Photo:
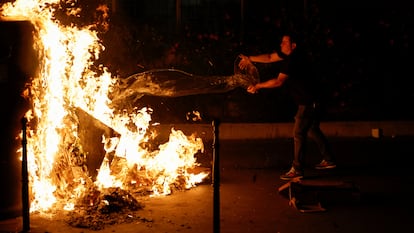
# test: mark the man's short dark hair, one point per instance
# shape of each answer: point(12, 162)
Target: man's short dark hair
point(294, 37)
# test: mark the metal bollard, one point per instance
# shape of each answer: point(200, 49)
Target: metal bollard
point(216, 178)
point(25, 180)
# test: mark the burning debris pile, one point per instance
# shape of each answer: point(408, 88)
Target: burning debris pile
point(66, 158)
point(108, 207)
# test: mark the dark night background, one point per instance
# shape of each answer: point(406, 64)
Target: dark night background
point(359, 50)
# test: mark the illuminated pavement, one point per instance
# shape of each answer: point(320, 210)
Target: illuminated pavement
point(250, 202)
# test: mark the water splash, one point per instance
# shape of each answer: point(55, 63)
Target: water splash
point(176, 83)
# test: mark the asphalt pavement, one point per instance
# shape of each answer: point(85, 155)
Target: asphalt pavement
point(248, 199)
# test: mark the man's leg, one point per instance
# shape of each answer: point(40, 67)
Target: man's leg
point(328, 160)
point(322, 142)
point(300, 132)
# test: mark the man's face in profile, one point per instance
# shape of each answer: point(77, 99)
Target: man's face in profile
point(286, 46)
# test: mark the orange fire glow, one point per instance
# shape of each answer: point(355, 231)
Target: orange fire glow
point(67, 79)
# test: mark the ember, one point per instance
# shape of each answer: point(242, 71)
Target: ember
point(107, 207)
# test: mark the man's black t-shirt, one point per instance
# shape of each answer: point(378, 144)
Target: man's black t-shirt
point(300, 82)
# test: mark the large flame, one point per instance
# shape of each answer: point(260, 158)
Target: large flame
point(68, 79)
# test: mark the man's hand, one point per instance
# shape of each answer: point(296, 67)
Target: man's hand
point(244, 62)
point(252, 89)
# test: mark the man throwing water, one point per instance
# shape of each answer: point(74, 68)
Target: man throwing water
point(294, 75)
